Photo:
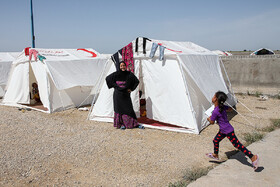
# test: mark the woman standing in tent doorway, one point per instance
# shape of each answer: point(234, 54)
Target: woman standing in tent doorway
point(226, 130)
point(123, 82)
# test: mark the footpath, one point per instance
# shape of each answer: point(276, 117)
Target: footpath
point(238, 170)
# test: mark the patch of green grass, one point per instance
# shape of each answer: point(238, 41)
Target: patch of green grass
point(191, 175)
point(258, 94)
point(253, 137)
point(178, 184)
point(275, 125)
point(268, 129)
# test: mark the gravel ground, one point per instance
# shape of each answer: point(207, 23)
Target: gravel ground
point(64, 149)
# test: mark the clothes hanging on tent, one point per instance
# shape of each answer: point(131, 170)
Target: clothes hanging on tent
point(115, 58)
point(161, 51)
point(34, 53)
point(144, 44)
point(41, 58)
point(127, 57)
point(26, 51)
point(124, 114)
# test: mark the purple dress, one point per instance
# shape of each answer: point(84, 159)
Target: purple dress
point(222, 120)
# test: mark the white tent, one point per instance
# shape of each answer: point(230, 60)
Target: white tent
point(222, 53)
point(178, 90)
point(263, 51)
point(65, 78)
point(6, 59)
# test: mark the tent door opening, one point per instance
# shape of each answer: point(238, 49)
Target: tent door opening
point(34, 95)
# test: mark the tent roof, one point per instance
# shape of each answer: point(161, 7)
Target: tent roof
point(8, 56)
point(60, 55)
point(177, 47)
point(69, 67)
point(263, 51)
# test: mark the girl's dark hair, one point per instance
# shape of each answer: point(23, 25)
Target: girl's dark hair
point(221, 97)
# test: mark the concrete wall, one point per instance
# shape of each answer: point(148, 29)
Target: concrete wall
point(254, 74)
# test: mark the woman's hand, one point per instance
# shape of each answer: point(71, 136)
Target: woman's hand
point(129, 90)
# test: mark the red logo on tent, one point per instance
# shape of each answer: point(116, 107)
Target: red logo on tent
point(93, 54)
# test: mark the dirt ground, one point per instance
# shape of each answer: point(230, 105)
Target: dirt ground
point(65, 149)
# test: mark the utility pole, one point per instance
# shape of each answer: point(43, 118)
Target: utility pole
point(32, 26)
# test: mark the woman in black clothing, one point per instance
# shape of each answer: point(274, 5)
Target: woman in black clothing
point(123, 82)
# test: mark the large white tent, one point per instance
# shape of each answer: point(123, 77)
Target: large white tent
point(65, 78)
point(178, 90)
point(6, 59)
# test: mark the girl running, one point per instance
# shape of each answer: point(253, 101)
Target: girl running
point(226, 130)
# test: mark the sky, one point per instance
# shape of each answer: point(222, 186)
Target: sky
point(108, 25)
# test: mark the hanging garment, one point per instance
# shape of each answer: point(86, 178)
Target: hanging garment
point(161, 51)
point(153, 50)
point(34, 53)
point(116, 59)
point(41, 58)
point(127, 57)
point(26, 51)
point(144, 44)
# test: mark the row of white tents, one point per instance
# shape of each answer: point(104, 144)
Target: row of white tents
point(177, 90)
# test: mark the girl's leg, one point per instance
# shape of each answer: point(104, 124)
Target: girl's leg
point(236, 143)
point(219, 137)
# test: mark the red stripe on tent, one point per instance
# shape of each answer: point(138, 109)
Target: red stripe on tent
point(170, 49)
point(93, 54)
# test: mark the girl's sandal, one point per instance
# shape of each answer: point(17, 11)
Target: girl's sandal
point(256, 163)
point(210, 155)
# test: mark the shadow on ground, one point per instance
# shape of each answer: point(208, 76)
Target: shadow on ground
point(235, 154)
